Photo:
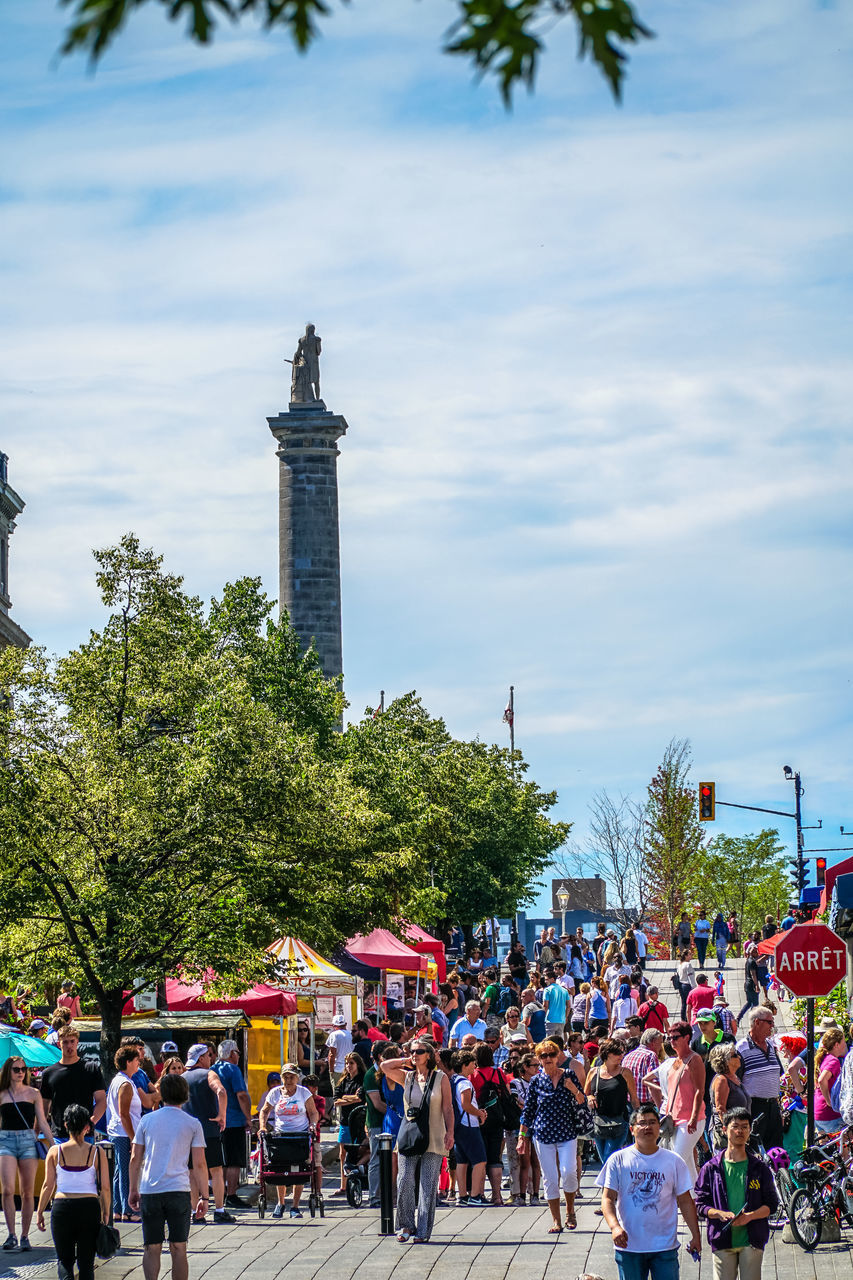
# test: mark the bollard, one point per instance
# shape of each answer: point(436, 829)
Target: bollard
point(386, 1190)
point(111, 1164)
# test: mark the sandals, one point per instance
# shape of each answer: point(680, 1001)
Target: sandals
point(555, 1231)
point(403, 1237)
point(571, 1222)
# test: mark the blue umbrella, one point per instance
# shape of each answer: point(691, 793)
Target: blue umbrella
point(35, 1053)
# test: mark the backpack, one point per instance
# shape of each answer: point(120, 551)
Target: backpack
point(835, 1094)
point(506, 999)
point(501, 1108)
point(644, 1017)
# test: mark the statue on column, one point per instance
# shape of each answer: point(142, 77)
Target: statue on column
point(305, 380)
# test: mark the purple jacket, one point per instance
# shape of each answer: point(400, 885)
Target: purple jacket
point(711, 1193)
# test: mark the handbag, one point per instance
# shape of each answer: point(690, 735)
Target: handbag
point(108, 1240)
point(413, 1136)
point(606, 1127)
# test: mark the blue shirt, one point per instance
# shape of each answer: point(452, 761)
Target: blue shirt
point(558, 1002)
point(233, 1083)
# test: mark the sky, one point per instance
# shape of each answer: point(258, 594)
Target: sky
point(595, 362)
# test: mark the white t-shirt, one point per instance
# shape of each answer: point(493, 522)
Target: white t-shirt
point(642, 943)
point(663, 1080)
point(647, 1187)
point(341, 1041)
point(288, 1109)
point(463, 1086)
point(167, 1137)
point(613, 978)
point(623, 1009)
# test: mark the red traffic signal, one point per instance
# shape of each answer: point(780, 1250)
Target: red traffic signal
point(707, 802)
point(820, 872)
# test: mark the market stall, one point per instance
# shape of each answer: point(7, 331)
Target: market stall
point(320, 986)
point(381, 950)
point(426, 945)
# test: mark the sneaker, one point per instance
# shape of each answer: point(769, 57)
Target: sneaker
point(461, 1202)
point(518, 1201)
point(234, 1202)
point(535, 1202)
point(25, 1246)
point(296, 1213)
point(278, 1211)
point(222, 1215)
point(475, 1202)
point(11, 1243)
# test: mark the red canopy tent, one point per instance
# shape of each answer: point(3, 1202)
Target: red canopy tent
point(768, 946)
point(261, 1001)
point(426, 944)
point(383, 951)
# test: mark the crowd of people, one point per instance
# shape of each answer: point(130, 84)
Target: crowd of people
point(496, 1089)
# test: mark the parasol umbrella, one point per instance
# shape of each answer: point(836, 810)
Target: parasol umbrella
point(35, 1053)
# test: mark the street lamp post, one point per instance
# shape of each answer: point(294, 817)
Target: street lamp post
point(563, 903)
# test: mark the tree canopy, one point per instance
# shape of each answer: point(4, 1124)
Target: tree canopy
point(746, 874)
point(502, 38)
point(174, 794)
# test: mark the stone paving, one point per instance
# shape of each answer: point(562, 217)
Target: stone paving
point(467, 1244)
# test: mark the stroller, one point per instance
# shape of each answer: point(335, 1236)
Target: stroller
point(287, 1160)
point(356, 1157)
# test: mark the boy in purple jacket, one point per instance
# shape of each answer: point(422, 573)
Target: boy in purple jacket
point(735, 1193)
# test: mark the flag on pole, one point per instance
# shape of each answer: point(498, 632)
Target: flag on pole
point(509, 714)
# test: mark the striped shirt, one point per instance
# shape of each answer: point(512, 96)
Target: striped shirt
point(640, 1062)
point(762, 1070)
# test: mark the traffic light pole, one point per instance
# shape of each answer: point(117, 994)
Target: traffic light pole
point(810, 1071)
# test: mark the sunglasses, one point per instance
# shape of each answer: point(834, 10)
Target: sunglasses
point(21, 1069)
point(416, 1052)
point(544, 1056)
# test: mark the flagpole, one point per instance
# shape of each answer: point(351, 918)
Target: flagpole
point(512, 718)
point(382, 700)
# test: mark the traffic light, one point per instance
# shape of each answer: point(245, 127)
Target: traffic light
point(820, 872)
point(707, 802)
point(799, 873)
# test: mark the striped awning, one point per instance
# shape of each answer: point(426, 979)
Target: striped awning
point(300, 969)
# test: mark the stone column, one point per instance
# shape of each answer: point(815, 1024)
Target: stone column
point(309, 545)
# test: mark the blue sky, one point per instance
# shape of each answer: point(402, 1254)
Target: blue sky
point(595, 362)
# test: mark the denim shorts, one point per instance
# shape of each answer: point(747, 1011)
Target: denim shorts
point(20, 1143)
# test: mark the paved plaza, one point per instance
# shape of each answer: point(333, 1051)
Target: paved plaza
point(468, 1244)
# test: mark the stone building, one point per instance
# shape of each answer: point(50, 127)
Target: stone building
point(11, 506)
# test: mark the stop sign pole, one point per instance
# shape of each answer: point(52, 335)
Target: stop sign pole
point(811, 960)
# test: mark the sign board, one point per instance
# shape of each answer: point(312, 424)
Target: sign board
point(811, 960)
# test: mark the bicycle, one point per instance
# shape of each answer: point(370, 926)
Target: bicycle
point(826, 1190)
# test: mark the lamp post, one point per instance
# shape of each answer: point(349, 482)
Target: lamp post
point(563, 903)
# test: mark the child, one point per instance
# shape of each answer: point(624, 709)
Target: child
point(719, 983)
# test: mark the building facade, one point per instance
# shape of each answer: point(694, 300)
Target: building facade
point(11, 506)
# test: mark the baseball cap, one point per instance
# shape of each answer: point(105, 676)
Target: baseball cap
point(196, 1051)
point(518, 1038)
point(290, 1069)
point(37, 1025)
point(339, 1020)
point(706, 1015)
point(168, 1046)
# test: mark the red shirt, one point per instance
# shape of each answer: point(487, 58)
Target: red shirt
point(654, 1017)
point(375, 1034)
point(699, 998)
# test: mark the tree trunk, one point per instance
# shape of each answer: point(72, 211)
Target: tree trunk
point(110, 1006)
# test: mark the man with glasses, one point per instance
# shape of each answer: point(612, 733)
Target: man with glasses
point(643, 1190)
point(761, 1074)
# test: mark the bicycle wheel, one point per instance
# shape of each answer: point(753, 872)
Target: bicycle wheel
point(806, 1220)
point(786, 1187)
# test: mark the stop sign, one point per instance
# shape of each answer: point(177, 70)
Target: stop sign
point(811, 960)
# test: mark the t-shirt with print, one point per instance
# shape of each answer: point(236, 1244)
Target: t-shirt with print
point(558, 1003)
point(647, 1189)
point(288, 1109)
point(167, 1138)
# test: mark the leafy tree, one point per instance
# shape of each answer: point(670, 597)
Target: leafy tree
point(504, 38)
point(673, 842)
point(165, 806)
point(479, 828)
point(742, 873)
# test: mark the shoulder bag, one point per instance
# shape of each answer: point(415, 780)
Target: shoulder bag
point(413, 1136)
point(605, 1128)
point(108, 1240)
point(41, 1149)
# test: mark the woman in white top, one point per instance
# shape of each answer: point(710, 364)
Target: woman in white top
point(289, 1108)
point(686, 979)
point(76, 1178)
point(124, 1111)
point(624, 1006)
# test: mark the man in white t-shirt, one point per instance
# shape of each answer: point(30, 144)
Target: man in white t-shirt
point(339, 1044)
point(160, 1176)
point(643, 1189)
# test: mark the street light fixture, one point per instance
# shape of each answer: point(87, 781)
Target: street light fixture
point(563, 897)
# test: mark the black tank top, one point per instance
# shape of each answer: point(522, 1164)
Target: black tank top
point(13, 1118)
point(611, 1097)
